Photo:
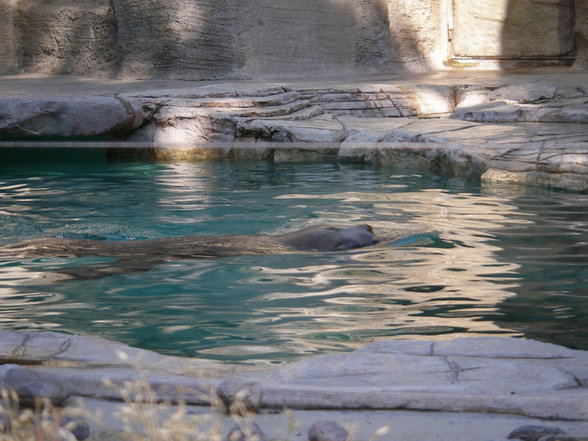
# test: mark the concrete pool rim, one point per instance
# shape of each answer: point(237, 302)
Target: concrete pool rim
point(493, 377)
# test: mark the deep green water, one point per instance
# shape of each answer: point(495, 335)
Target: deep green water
point(474, 260)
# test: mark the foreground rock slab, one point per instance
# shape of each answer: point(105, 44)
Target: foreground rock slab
point(488, 375)
point(464, 389)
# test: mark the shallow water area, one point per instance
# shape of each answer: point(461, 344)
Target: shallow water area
point(468, 259)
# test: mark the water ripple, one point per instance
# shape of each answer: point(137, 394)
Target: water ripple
point(463, 259)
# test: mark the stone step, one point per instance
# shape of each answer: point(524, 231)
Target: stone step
point(337, 96)
point(367, 104)
point(302, 114)
point(281, 105)
point(249, 101)
point(368, 110)
point(204, 92)
point(269, 111)
point(550, 111)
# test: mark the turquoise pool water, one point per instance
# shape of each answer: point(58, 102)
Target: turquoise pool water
point(473, 259)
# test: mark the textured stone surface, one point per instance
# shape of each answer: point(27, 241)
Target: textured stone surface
point(77, 425)
point(327, 431)
point(519, 128)
point(472, 389)
point(555, 166)
point(246, 432)
point(70, 116)
point(510, 376)
point(31, 387)
point(581, 34)
point(175, 38)
point(537, 101)
point(10, 55)
point(4, 421)
point(59, 36)
point(206, 39)
point(370, 424)
point(513, 28)
point(30, 348)
point(534, 433)
point(210, 39)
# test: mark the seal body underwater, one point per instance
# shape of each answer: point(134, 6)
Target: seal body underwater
point(143, 255)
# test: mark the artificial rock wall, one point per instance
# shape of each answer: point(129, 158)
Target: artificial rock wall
point(196, 39)
point(581, 29)
point(221, 39)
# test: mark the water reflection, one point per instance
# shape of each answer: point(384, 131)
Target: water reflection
point(551, 305)
point(466, 260)
point(447, 281)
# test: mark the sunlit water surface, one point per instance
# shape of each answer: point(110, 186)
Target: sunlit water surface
point(471, 259)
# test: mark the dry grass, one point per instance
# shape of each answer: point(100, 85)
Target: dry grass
point(43, 423)
point(147, 416)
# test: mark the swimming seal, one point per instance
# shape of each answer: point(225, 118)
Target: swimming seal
point(330, 238)
point(143, 255)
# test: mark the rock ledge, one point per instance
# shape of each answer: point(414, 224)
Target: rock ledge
point(526, 128)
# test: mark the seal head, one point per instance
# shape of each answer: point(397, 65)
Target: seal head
point(330, 238)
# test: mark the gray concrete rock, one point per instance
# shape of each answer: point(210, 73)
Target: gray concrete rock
point(557, 438)
point(209, 39)
point(458, 383)
point(4, 420)
point(247, 432)
point(457, 379)
point(374, 121)
point(359, 145)
point(230, 38)
point(473, 374)
point(77, 425)
point(30, 387)
point(69, 116)
point(61, 434)
point(563, 166)
point(534, 433)
point(60, 37)
point(36, 346)
point(469, 370)
point(212, 39)
point(561, 110)
point(239, 396)
point(324, 430)
point(536, 101)
point(518, 30)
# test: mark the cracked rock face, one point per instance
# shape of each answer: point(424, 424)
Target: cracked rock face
point(498, 375)
point(470, 366)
